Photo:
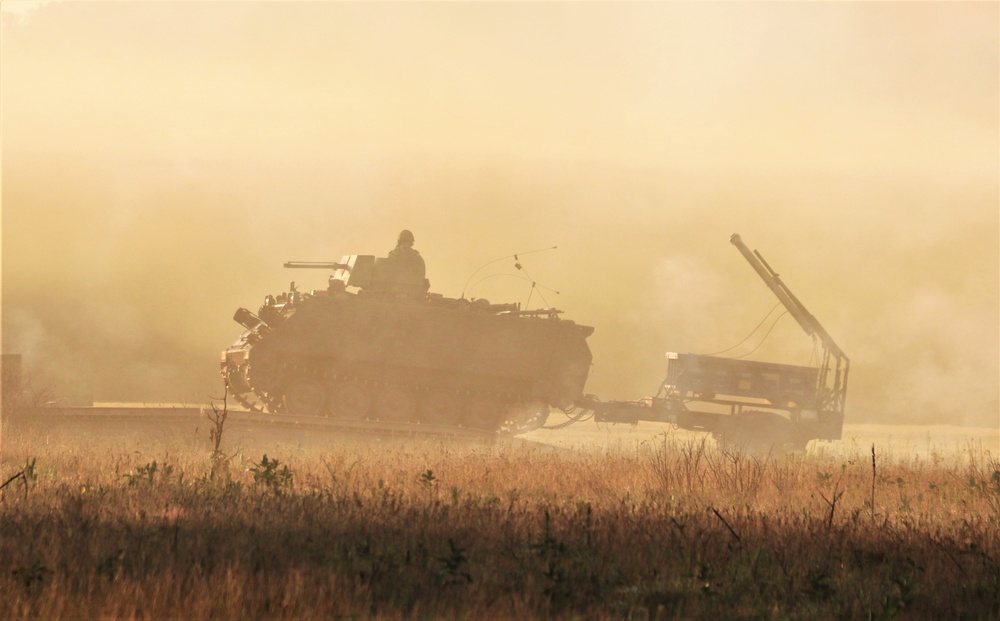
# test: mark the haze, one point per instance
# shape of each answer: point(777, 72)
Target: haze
point(161, 160)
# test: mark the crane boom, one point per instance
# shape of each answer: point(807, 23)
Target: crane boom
point(832, 387)
point(769, 404)
point(795, 308)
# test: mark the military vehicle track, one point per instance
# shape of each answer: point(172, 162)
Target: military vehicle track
point(197, 416)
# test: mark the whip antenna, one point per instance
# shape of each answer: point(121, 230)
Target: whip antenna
point(510, 256)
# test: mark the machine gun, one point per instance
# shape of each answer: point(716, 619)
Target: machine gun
point(317, 265)
point(375, 274)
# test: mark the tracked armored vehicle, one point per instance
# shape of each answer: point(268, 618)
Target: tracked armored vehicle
point(375, 345)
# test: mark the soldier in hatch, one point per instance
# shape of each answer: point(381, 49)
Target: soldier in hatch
point(405, 255)
point(407, 264)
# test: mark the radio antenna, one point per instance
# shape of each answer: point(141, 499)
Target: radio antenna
point(534, 284)
point(510, 256)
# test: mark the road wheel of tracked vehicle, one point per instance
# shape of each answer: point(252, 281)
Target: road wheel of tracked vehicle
point(350, 400)
point(441, 407)
point(484, 413)
point(305, 397)
point(396, 404)
point(525, 417)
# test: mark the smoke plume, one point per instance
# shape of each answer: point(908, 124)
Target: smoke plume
point(162, 160)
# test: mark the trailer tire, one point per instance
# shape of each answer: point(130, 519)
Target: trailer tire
point(760, 433)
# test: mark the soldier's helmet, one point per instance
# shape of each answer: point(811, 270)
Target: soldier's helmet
point(405, 237)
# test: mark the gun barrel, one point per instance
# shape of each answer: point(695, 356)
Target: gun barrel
point(317, 265)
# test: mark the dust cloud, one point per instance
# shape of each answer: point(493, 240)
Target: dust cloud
point(162, 160)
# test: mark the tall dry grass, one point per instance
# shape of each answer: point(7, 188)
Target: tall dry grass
point(391, 529)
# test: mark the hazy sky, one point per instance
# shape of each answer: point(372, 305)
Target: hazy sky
point(161, 160)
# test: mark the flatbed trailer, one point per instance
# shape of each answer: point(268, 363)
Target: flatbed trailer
point(750, 403)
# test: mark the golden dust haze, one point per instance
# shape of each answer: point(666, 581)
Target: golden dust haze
point(161, 160)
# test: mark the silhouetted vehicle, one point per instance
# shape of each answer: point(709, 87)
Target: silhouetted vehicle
point(375, 345)
point(754, 405)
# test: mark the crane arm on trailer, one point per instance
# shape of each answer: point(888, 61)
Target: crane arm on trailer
point(786, 297)
point(752, 403)
point(832, 379)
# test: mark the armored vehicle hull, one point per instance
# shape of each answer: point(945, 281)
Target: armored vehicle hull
point(379, 355)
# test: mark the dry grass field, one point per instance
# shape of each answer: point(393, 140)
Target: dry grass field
point(129, 527)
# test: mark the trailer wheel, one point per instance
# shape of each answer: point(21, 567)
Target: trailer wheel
point(760, 432)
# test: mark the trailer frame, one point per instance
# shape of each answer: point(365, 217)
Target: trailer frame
point(751, 403)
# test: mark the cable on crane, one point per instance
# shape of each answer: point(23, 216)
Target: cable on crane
point(765, 336)
point(751, 332)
